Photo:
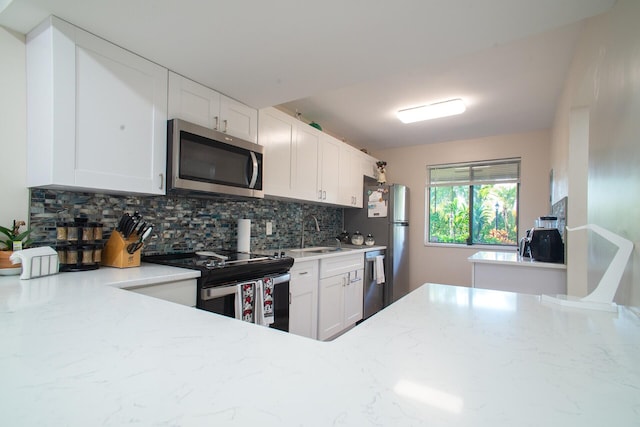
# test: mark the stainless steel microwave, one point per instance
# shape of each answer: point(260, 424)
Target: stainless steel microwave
point(205, 161)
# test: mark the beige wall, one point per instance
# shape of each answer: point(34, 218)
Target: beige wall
point(14, 196)
point(604, 78)
point(408, 166)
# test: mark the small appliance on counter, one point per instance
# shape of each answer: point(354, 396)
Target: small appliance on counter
point(544, 241)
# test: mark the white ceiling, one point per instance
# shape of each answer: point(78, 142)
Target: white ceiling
point(350, 64)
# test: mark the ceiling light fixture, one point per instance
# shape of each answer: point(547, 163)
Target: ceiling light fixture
point(432, 111)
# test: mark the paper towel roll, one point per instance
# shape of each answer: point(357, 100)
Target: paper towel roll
point(244, 235)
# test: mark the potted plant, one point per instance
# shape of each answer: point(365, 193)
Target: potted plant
point(14, 236)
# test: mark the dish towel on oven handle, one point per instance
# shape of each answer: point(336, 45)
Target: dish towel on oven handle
point(379, 270)
point(246, 301)
point(265, 305)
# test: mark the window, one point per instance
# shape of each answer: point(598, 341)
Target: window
point(473, 203)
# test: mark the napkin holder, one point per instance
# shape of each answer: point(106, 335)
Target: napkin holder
point(115, 251)
point(36, 262)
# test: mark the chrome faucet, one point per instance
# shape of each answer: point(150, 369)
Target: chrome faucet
point(317, 228)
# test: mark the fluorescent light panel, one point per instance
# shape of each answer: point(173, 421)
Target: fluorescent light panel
point(432, 111)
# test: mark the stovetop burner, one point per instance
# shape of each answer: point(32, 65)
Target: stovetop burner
point(221, 266)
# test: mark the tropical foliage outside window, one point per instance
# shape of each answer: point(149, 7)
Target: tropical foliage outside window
point(473, 203)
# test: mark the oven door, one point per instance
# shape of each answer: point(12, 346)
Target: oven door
point(236, 300)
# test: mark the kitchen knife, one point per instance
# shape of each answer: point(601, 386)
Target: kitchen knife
point(133, 247)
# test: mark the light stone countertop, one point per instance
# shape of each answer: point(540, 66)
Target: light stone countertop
point(302, 255)
point(512, 258)
point(76, 352)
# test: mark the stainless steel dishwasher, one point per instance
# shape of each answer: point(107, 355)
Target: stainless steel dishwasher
point(374, 292)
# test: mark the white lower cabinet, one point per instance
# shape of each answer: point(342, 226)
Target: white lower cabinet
point(339, 294)
point(181, 292)
point(303, 309)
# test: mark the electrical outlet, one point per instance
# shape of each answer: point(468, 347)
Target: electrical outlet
point(269, 228)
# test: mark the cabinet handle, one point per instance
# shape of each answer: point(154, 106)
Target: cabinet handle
point(226, 125)
point(302, 273)
point(161, 181)
point(217, 119)
point(324, 195)
point(319, 194)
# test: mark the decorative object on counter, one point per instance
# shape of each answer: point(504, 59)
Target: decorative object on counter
point(369, 240)
point(602, 296)
point(36, 262)
point(344, 237)
point(79, 244)
point(15, 241)
point(382, 177)
point(357, 238)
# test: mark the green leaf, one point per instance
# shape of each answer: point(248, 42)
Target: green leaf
point(7, 232)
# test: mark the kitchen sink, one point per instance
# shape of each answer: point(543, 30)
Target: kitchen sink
point(319, 250)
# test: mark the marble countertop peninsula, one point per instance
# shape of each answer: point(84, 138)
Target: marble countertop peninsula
point(75, 350)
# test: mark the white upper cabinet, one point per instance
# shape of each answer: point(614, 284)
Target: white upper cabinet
point(303, 163)
point(351, 178)
point(195, 103)
point(96, 114)
point(328, 169)
point(276, 134)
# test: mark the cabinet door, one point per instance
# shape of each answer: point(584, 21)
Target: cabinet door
point(351, 180)
point(329, 169)
point(368, 165)
point(238, 119)
point(120, 118)
point(303, 310)
point(305, 163)
point(331, 306)
point(353, 301)
point(193, 102)
point(276, 135)
point(96, 113)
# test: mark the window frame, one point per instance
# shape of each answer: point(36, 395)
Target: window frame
point(470, 185)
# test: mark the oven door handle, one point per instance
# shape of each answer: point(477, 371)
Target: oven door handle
point(281, 279)
point(222, 291)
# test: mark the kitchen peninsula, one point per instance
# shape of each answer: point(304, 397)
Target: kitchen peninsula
point(76, 351)
point(508, 271)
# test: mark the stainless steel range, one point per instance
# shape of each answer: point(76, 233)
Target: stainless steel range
point(249, 287)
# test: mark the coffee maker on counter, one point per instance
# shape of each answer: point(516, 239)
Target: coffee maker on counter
point(543, 243)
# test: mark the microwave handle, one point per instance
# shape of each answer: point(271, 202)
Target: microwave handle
point(254, 174)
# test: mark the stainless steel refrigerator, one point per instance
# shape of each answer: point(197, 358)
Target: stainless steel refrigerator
point(385, 215)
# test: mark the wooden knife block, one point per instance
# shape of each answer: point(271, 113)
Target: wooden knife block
point(115, 251)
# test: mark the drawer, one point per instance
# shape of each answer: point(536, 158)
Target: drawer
point(333, 266)
point(304, 268)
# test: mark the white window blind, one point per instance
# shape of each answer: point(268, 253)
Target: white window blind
point(494, 172)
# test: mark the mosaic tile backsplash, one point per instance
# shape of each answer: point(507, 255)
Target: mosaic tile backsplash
point(183, 224)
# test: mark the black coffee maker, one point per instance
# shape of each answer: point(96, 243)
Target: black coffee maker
point(545, 241)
